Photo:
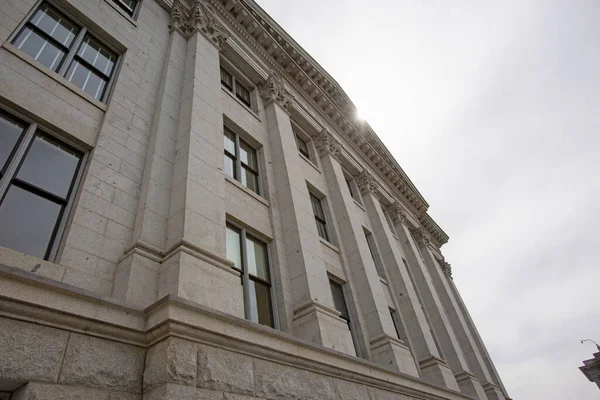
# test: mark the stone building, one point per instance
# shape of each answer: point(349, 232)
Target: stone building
point(190, 210)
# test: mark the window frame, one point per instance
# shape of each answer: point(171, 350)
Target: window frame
point(352, 187)
point(234, 84)
point(315, 200)
point(14, 162)
point(342, 285)
point(239, 165)
point(394, 316)
point(72, 50)
point(246, 277)
point(388, 219)
point(122, 6)
point(374, 251)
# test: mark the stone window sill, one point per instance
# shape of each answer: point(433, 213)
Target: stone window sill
point(247, 191)
point(123, 13)
point(330, 245)
point(53, 75)
point(383, 280)
point(312, 164)
point(251, 111)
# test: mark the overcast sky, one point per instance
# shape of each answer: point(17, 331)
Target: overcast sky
point(493, 110)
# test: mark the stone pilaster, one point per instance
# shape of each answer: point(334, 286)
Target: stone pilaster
point(314, 317)
point(443, 330)
point(433, 367)
point(385, 348)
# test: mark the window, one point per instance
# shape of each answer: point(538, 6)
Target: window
point(241, 162)
point(250, 258)
point(394, 316)
point(302, 146)
point(319, 217)
point(129, 6)
point(339, 303)
point(374, 253)
point(388, 219)
point(37, 180)
point(68, 49)
point(232, 84)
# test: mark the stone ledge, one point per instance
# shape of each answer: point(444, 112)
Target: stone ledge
point(57, 305)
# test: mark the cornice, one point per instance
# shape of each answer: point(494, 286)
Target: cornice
point(438, 235)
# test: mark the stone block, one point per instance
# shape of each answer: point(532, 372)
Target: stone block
point(177, 392)
point(30, 352)
point(221, 369)
point(42, 391)
point(102, 364)
point(346, 390)
point(171, 361)
point(378, 394)
point(276, 381)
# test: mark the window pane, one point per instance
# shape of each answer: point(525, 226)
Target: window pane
point(257, 259)
point(230, 142)
point(338, 299)
point(88, 80)
point(396, 328)
point(229, 166)
point(226, 79)
point(322, 229)
point(27, 222)
point(248, 155)
point(350, 188)
point(10, 132)
point(250, 179)
point(49, 167)
point(242, 93)
point(317, 207)
point(234, 250)
point(56, 25)
point(374, 253)
point(302, 147)
point(97, 55)
point(39, 48)
point(127, 5)
point(260, 303)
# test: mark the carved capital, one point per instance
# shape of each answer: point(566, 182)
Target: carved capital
point(446, 268)
point(367, 183)
point(202, 19)
point(397, 213)
point(327, 144)
point(178, 21)
point(274, 90)
point(422, 237)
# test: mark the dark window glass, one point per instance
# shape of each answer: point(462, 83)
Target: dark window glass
point(241, 158)
point(388, 219)
point(230, 142)
point(10, 132)
point(242, 93)
point(319, 217)
point(226, 79)
point(248, 156)
point(27, 221)
point(350, 189)
point(339, 301)
point(302, 147)
point(394, 315)
point(47, 36)
point(92, 67)
point(97, 56)
point(374, 253)
point(128, 6)
point(260, 303)
point(49, 166)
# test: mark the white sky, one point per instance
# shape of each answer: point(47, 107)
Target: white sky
point(492, 108)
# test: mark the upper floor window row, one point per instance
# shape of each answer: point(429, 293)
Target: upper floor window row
point(232, 84)
point(67, 48)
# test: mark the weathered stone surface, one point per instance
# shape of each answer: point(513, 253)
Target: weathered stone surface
point(276, 381)
point(378, 394)
point(43, 391)
point(125, 396)
point(233, 396)
point(346, 390)
point(30, 352)
point(102, 364)
point(225, 370)
point(178, 392)
point(171, 361)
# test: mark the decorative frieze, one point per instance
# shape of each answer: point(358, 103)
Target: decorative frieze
point(327, 144)
point(367, 183)
point(201, 19)
point(273, 90)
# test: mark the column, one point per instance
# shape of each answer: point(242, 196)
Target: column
point(314, 317)
point(467, 342)
point(136, 279)
point(480, 344)
point(442, 327)
point(433, 368)
point(385, 348)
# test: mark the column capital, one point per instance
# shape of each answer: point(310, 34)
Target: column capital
point(422, 237)
point(446, 269)
point(327, 144)
point(397, 213)
point(273, 90)
point(201, 19)
point(367, 183)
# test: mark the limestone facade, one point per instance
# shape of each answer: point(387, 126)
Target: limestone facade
point(190, 210)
